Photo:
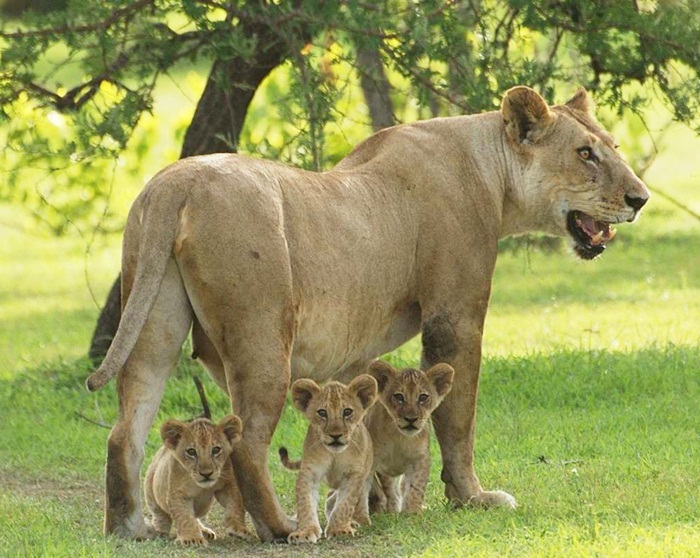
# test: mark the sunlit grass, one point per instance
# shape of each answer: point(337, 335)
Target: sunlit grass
point(587, 409)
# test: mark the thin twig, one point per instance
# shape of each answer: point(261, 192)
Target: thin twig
point(91, 421)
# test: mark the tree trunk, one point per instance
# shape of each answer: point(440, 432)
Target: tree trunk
point(215, 128)
point(375, 87)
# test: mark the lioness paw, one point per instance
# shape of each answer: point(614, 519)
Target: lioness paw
point(493, 499)
point(304, 536)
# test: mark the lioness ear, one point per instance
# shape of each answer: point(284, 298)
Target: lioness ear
point(303, 391)
point(526, 115)
point(441, 376)
point(232, 427)
point(382, 372)
point(365, 388)
point(171, 432)
point(581, 101)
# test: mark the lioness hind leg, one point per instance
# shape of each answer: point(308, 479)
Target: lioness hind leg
point(237, 272)
point(140, 387)
point(259, 406)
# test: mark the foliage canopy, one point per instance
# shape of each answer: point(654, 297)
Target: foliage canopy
point(75, 82)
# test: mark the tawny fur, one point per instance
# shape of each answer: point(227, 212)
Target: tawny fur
point(282, 273)
point(190, 470)
point(400, 430)
point(337, 449)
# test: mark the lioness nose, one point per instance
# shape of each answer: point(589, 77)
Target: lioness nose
point(336, 437)
point(635, 203)
point(206, 475)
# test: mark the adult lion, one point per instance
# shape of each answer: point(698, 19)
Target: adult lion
point(284, 273)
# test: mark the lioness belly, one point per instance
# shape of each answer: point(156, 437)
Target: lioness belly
point(327, 342)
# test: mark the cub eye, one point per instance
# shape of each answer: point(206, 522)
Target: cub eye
point(586, 153)
point(322, 413)
point(423, 398)
point(191, 452)
point(398, 397)
point(347, 413)
point(216, 450)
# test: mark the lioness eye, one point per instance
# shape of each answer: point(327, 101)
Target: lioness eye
point(399, 398)
point(191, 452)
point(586, 153)
point(347, 413)
point(216, 450)
point(423, 398)
point(322, 413)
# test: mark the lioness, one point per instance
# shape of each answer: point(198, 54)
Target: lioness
point(191, 469)
point(338, 449)
point(283, 273)
point(400, 430)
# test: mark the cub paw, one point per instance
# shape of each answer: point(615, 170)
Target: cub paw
point(208, 533)
point(191, 540)
point(304, 536)
point(340, 531)
point(240, 533)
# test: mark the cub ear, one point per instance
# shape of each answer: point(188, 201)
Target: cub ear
point(441, 376)
point(365, 388)
point(232, 427)
point(171, 431)
point(303, 391)
point(581, 101)
point(526, 115)
point(382, 372)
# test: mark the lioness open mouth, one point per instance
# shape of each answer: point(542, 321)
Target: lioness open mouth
point(589, 235)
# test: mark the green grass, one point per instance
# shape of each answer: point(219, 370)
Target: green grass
point(587, 409)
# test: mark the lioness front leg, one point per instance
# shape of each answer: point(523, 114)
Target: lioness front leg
point(457, 341)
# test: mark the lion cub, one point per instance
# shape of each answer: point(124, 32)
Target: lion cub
point(337, 448)
point(400, 432)
point(188, 472)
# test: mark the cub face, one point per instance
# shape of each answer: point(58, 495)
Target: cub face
point(202, 447)
point(335, 410)
point(410, 396)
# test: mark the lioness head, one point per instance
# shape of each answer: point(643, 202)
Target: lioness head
point(335, 410)
point(410, 396)
point(202, 447)
point(574, 181)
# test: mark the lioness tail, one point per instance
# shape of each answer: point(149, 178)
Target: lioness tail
point(160, 221)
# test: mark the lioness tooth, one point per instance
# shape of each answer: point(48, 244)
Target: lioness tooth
point(612, 233)
point(597, 237)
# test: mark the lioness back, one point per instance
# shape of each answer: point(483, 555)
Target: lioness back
point(400, 431)
point(188, 472)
